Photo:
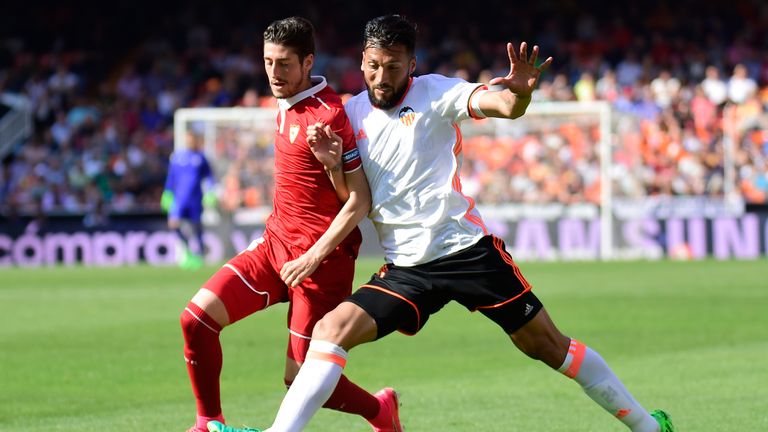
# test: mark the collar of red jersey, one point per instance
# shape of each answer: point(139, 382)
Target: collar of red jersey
point(320, 84)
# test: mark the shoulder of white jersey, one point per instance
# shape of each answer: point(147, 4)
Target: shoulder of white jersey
point(439, 80)
point(357, 104)
point(356, 99)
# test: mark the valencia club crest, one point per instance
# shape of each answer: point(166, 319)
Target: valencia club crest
point(407, 115)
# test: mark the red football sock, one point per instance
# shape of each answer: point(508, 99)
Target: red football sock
point(350, 398)
point(347, 396)
point(202, 352)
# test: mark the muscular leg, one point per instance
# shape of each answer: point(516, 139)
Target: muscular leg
point(541, 340)
point(201, 322)
point(347, 397)
point(228, 296)
point(346, 326)
point(340, 330)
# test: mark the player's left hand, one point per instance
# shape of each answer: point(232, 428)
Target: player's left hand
point(523, 73)
point(166, 200)
point(325, 144)
point(294, 272)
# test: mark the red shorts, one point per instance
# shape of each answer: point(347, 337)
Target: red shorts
point(250, 282)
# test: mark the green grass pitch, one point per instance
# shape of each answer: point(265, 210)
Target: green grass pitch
point(86, 349)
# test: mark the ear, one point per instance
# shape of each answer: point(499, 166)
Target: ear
point(309, 61)
point(412, 66)
point(362, 62)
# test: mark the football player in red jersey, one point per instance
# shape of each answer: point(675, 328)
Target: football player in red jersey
point(307, 254)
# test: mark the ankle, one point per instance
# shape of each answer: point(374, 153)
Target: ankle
point(202, 421)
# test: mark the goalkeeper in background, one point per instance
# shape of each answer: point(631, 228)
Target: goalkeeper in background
point(188, 187)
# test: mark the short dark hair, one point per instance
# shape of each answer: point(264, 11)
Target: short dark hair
point(293, 32)
point(388, 30)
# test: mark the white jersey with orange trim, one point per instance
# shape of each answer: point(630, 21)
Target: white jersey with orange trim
point(411, 155)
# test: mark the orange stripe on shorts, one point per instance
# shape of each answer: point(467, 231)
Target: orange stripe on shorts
point(401, 297)
point(497, 243)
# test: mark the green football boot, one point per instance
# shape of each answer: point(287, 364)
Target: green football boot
point(190, 261)
point(664, 419)
point(217, 426)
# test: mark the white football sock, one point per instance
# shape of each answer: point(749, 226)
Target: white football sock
point(599, 382)
point(312, 387)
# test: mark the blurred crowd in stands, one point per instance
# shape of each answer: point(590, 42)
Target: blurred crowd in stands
point(687, 80)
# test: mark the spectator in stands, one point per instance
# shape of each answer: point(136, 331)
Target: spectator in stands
point(741, 87)
point(714, 87)
point(62, 86)
point(665, 89)
point(174, 72)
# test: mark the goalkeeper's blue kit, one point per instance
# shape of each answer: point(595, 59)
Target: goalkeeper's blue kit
point(187, 171)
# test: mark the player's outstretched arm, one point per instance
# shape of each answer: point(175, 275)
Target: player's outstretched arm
point(522, 79)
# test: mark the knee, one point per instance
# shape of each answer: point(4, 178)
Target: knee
point(195, 320)
point(346, 326)
point(329, 329)
point(189, 323)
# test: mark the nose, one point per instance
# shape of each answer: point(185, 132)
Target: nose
point(271, 70)
point(381, 78)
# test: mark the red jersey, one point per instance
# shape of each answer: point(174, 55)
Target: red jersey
point(305, 200)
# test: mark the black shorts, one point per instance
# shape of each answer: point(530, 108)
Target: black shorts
point(482, 278)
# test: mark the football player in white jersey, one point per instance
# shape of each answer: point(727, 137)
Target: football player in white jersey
point(437, 248)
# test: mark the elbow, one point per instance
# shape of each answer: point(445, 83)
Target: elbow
point(358, 206)
point(517, 113)
point(364, 206)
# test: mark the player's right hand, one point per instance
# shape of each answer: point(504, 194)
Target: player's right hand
point(294, 272)
point(325, 144)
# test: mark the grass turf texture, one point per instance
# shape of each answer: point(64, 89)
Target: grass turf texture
point(85, 349)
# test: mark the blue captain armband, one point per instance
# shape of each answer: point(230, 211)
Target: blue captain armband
point(350, 155)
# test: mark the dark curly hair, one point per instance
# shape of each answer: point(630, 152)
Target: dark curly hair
point(388, 30)
point(294, 32)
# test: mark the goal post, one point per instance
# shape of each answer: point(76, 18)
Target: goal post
point(564, 182)
point(553, 129)
point(222, 129)
point(602, 110)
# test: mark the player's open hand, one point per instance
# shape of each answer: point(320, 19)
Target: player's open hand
point(523, 73)
point(325, 144)
point(294, 272)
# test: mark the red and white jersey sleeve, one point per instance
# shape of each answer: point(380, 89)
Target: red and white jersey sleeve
point(411, 155)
